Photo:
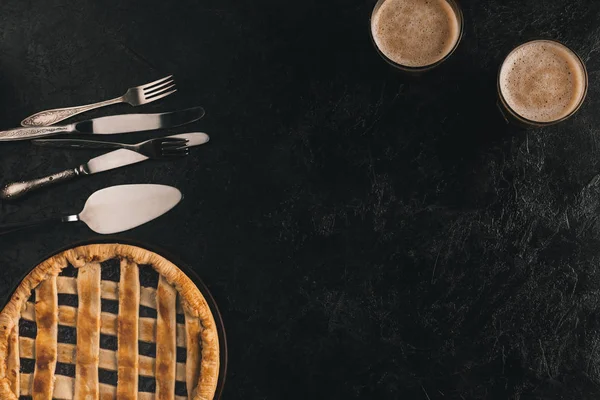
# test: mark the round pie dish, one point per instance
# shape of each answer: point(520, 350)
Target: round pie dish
point(111, 319)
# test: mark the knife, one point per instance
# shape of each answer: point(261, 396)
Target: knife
point(124, 123)
point(105, 162)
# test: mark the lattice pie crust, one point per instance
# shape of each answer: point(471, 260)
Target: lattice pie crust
point(198, 335)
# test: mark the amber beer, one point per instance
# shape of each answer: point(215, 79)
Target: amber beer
point(416, 35)
point(541, 82)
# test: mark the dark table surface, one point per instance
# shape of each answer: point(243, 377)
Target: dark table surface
point(365, 235)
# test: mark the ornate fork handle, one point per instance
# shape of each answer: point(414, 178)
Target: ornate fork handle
point(50, 117)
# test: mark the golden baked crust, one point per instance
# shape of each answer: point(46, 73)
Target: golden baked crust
point(128, 328)
point(46, 318)
point(87, 385)
point(192, 301)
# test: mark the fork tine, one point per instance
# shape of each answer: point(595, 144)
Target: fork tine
point(176, 152)
point(173, 141)
point(161, 96)
point(174, 145)
point(158, 87)
point(147, 85)
point(175, 149)
point(175, 155)
point(162, 90)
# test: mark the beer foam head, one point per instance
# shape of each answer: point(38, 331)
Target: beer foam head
point(542, 81)
point(415, 33)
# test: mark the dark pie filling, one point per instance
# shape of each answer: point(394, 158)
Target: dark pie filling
point(71, 300)
point(111, 270)
point(27, 329)
point(147, 312)
point(109, 306)
point(148, 276)
point(69, 271)
point(67, 334)
point(65, 369)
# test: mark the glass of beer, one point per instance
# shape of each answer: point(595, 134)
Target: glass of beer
point(541, 83)
point(416, 35)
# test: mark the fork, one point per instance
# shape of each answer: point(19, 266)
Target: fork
point(134, 96)
point(160, 148)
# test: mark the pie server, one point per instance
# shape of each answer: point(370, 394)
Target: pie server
point(105, 162)
point(115, 209)
point(124, 123)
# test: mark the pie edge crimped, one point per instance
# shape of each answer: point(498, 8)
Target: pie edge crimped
point(193, 303)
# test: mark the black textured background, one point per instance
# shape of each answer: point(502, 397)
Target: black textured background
point(365, 236)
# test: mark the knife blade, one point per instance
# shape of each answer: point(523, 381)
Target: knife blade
point(111, 125)
point(122, 157)
point(106, 162)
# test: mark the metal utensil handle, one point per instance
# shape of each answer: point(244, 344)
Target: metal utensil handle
point(79, 144)
point(10, 228)
point(16, 190)
point(50, 117)
point(31, 133)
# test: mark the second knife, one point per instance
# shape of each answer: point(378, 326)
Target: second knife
point(105, 162)
point(114, 124)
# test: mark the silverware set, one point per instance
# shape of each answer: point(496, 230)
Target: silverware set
point(152, 200)
point(106, 162)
